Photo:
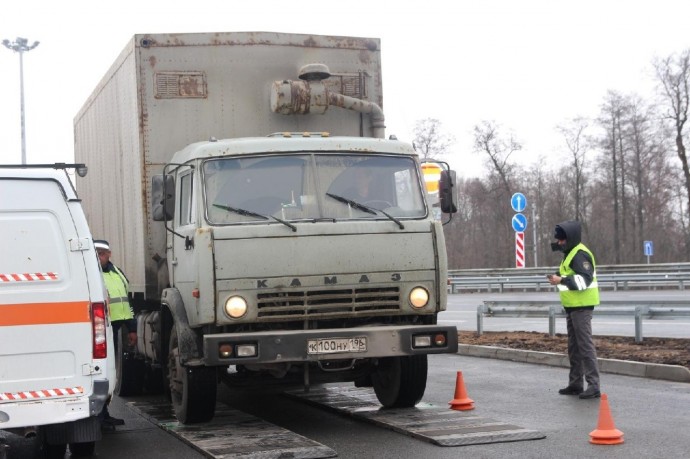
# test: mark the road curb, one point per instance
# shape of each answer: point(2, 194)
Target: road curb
point(676, 373)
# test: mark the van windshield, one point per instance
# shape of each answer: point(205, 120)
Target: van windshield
point(311, 187)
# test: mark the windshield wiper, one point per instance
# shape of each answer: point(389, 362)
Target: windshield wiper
point(249, 213)
point(364, 208)
point(288, 224)
point(392, 218)
point(352, 203)
point(237, 210)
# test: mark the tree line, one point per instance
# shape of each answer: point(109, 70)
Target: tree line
point(626, 179)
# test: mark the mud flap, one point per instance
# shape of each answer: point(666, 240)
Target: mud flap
point(81, 431)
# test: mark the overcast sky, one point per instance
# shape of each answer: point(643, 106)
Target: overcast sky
point(527, 64)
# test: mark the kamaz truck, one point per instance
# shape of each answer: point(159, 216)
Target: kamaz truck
point(269, 231)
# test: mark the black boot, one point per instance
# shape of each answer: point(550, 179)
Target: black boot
point(108, 421)
point(591, 392)
point(570, 390)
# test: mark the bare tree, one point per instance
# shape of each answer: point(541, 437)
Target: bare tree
point(576, 141)
point(488, 140)
point(612, 112)
point(673, 75)
point(632, 191)
point(430, 140)
point(647, 157)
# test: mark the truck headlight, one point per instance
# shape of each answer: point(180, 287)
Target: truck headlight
point(235, 307)
point(419, 297)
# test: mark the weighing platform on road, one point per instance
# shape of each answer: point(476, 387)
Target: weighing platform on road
point(233, 433)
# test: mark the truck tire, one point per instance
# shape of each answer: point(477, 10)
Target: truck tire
point(82, 449)
point(192, 389)
point(399, 382)
point(54, 451)
point(129, 371)
point(153, 380)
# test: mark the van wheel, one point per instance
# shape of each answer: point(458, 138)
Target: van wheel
point(82, 449)
point(129, 371)
point(192, 389)
point(400, 382)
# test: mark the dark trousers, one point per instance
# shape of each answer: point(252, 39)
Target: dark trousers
point(581, 350)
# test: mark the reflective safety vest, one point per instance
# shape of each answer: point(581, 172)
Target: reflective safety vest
point(589, 295)
point(117, 286)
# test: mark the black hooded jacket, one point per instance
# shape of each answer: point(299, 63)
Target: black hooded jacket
point(581, 263)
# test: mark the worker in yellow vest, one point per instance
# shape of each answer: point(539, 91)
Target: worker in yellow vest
point(576, 281)
point(121, 312)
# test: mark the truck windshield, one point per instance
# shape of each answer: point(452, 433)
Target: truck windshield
point(311, 187)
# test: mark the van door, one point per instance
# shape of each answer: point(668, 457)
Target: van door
point(45, 319)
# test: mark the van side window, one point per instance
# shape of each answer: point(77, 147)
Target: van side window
point(186, 203)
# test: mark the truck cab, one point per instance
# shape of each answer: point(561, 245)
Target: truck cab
point(301, 257)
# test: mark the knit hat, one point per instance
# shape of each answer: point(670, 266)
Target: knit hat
point(559, 233)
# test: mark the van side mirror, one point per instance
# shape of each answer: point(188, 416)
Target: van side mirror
point(163, 197)
point(447, 192)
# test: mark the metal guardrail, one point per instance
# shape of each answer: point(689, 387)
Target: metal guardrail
point(601, 269)
point(613, 281)
point(553, 309)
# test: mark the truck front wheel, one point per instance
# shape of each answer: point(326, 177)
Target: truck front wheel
point(192, 389)
point(399, 382)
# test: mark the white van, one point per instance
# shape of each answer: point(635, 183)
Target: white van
point(56, 363)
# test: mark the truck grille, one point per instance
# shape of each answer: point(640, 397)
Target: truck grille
point(328, 303)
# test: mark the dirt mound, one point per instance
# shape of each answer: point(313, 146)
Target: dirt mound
point(667, 351)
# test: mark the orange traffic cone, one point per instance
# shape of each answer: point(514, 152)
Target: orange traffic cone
point(461, 402)
point(605, 433)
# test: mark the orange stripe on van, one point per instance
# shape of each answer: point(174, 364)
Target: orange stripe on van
point(44, 313)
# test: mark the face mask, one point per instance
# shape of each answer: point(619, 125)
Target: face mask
point(556, 247)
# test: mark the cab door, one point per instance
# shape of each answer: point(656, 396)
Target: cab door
point(184, 260)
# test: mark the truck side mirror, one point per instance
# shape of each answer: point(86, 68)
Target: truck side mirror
point(163, 197)
point(447, 192)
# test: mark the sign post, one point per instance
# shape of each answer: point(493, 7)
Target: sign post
point(648, 249)
point(519, 222)
point(519, 249)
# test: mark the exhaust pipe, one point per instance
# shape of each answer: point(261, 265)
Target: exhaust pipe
point(310, 95)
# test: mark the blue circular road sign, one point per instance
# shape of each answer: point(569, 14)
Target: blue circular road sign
point(518, 202)
point(519, 223)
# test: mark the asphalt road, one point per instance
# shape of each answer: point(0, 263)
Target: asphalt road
point(462, 313)
point(652, 414)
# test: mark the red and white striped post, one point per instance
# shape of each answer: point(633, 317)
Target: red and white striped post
point(519, 249)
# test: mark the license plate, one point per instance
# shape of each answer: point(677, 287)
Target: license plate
point(336, 345)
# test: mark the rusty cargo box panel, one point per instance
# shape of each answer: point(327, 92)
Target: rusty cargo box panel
point(166, 91)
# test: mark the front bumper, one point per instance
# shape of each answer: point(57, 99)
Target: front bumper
point(292, 345)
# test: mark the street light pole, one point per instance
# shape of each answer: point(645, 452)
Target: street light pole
point(534, 232)
point(21, 45)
